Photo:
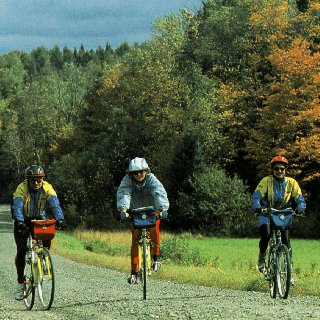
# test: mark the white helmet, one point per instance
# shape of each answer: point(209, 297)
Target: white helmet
point(138, 164)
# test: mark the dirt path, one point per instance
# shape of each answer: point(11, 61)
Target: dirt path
point(88, 292)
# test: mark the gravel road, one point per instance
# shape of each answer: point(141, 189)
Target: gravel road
point(88, 292)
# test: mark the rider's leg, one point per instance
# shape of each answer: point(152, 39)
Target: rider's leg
point(263, 245)
point(136, 234)
point(21, 240)
point(285, 235)
point(155, 238)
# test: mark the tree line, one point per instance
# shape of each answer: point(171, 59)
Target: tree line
point(208, 101)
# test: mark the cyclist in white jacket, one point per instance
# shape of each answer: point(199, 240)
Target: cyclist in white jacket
point(141, 188)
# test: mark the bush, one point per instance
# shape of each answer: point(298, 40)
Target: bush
point(176, 250)
point(216, 205)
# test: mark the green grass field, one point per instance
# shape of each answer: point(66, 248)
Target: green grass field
point(217, 262)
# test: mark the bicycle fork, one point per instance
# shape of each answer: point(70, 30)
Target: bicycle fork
point(148, 252)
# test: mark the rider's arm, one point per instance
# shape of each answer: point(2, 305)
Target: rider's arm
point(53, 201)
point(260, 193)
point(17, 209)
point(18, 202)
point(124, 194)
point(297, 194)
point(159, 194)
point(56, 208)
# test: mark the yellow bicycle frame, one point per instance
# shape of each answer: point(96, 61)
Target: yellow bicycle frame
point(140, 255)
point(39, 265)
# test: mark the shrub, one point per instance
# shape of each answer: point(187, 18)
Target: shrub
point(217, 204)
point(176, 250)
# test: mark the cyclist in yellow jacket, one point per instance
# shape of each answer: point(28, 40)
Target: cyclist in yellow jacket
point(279, 192)
point(30, 201)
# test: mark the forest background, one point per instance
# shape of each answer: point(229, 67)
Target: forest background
point(208, 101)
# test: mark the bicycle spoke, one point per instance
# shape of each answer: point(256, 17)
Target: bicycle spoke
point(45, 283)
point(29, 285)
point(283, 272)
point(145, 267)
point(271, 276)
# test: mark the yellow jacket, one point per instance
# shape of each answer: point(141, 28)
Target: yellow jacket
point(33, 204)
point(278, 194)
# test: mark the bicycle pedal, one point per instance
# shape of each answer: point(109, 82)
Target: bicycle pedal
point(156, 266)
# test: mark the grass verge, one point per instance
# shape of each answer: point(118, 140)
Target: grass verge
point(216, 262)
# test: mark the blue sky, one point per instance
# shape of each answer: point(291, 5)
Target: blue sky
point(27, 24)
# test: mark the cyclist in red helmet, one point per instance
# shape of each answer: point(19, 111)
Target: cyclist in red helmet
point(279, 192)
point(30, 201)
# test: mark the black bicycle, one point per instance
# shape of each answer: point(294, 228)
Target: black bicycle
point(279, 268)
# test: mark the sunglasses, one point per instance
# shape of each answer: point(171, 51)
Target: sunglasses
point(135, 173)
point(279, 169)
point(36, 180)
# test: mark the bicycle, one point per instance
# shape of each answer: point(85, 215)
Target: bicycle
point(39, 271)
point(279, 268)
point(144, 219)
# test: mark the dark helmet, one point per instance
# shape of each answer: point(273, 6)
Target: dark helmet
point(34, 171)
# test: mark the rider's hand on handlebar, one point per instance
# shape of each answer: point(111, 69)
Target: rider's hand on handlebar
point(124, 215)
point(21, 226)
point(163, 214)
point(257, 211)
point(61, 224)
point(300, 212)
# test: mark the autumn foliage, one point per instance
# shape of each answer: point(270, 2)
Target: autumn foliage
point(208, 101)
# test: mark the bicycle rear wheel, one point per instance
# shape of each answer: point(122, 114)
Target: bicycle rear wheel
point(29, 292)
point(271, 275)
point(283, 272)
point(46, 283)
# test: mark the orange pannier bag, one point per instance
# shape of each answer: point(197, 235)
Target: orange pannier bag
point(44, 229)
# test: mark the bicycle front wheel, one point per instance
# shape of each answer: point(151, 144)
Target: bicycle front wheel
point(272, 275)
point(145, 267)
point(283, 272)
point(29, 292)
point(46, 282)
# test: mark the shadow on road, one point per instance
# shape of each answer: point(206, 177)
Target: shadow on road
point(108, 301)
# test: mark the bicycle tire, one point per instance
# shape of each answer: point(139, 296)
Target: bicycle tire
point(271, 275)
point(29, 292)
point(144, 267)
point(149, 262)
point(283, 272)
point(46, 280)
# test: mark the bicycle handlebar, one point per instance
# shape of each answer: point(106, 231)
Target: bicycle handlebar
point(269, 211)
point(148, 210)
point(142, 209)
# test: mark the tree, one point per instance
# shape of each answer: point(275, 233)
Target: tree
point(303, 5)
point(56, 57)
point(290, 118)
point(67, 55)
point(12, 74)
point(41, 59)
point(216, 204)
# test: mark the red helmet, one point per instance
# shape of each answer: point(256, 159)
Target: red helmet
point(280, 159)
